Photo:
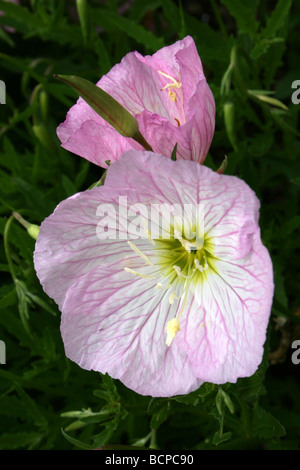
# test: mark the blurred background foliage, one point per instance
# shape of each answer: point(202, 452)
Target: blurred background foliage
point(249, 53)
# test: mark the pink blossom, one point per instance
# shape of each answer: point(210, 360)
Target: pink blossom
point(162, 315)
point(168, 95)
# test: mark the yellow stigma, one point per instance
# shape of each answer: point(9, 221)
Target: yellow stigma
point(172, 329)
point(172, 95)
point(173, 84)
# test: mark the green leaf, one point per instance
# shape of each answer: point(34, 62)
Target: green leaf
point(82, 9)
point(244, 15)
point(99, 415)
point(139, 33)
point(106, 106)
point(206, 389)
point(279, 281)
point(21, 17)
point(263, 45)
point(8, 299)
point(68, 186)
point(42, 303)
point(264, 425)
point(277, 18)
point(296, 180)
point(12, 406)
point(6, 37)
point(219, 438)
point(104, 436)
point(160, 417)
point(269, 100)
point(33, 412)
point(17, 440)
point(140, 8)
point(76, 442)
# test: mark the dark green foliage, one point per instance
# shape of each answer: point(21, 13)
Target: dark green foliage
point(249, 50)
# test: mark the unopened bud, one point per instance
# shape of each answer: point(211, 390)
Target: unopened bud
point(229, 119)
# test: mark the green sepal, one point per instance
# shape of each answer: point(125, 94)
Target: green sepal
point(107, 107)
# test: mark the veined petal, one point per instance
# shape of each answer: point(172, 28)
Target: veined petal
point(224, 329)
point(231, 208)
point(168, 95)
point(115, 323)
point(135, 86)
point(174, 182)
point(85, 133)
point(68, 246)
point(193, 136)
point(118, 297)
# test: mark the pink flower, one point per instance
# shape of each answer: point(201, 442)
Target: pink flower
point(162, 314)
point(169, 96)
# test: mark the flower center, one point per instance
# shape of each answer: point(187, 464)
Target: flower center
point(180, 265)
point(173, 84)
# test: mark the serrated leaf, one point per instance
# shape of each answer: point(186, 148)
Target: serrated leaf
point(100, 415)
point(19, 440)
point(244, 15)
point(12, 406)
point(264, 425)
point(263, 45)
point(277, 18)
point(206, 389)
point(33, 412)
point(139, 33)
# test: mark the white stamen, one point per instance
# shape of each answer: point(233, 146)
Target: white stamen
point(147, 231)
point(132, 271)
point(139, 252)
point(174, 84)
point(200, 267)
point(179, 273)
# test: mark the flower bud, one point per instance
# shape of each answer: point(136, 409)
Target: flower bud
point(229, 119)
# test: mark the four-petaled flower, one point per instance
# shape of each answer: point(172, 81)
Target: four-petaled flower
point(168, 95)
point(161, 314)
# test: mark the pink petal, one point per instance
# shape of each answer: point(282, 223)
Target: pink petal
point(137, 84)
point(224, 330)
point(68, 246)
point(193, 137)
point(114, 322)
point(85, 133)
